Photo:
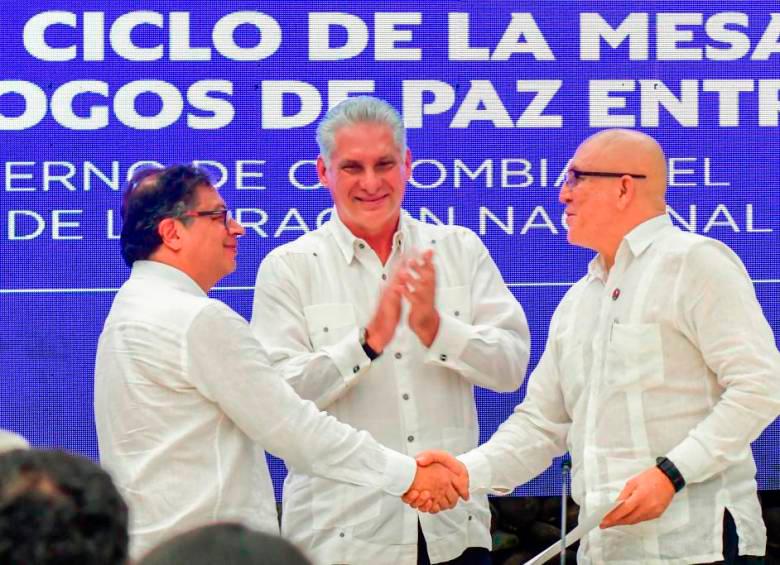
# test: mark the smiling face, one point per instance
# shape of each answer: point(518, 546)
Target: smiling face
point(601, 210)
point(209, 248)
point(590, 201)
point(366, 175)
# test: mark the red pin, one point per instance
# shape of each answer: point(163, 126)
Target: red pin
point(616, 294)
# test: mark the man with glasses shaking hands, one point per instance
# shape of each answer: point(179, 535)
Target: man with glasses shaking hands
point(185, 401)
point(658, 372)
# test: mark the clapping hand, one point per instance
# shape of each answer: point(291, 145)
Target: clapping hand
point(418, 276)
point(382, 326)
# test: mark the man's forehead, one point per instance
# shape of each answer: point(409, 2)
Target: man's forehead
point(583, 155)
point(596, 151)
point(352, 138)
point(208, 195)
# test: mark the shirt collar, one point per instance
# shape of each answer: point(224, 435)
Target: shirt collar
point(347, 242)
point(166, 274)
point(643, 235)
point(636, 242)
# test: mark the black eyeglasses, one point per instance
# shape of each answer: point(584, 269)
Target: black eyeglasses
point(573, 176)
point(225, 214)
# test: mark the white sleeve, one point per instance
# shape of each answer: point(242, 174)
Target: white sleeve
point(721, 315)
point(228, 366)
point(321, 375)
point(493, 350)
point(527, 442)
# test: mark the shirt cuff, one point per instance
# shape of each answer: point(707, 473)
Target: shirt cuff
point(349, 357)
point(450, 341)
point(399, 473)
point(691, 459)
point(479, 471)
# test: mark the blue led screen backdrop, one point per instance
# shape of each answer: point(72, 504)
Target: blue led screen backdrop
point(496, 97)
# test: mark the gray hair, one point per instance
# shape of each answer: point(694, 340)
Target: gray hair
point(357, 110)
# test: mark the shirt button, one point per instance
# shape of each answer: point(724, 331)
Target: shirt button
point(405, 396)
point(433, 241)
point(457, 313)
point(314, 254)
point(362, 246)
point(398, 355)
point(470, 518)
point(356, 368)
point(341, 535)
point(325, 329)
point(410, 439)
point(443, 357)
point(384, 277)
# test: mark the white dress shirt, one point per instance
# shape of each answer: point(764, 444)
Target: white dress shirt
point(311, 298)
point(667, 354)
point(185, 403)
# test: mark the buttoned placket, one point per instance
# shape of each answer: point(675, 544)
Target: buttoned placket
point(592, 464)
point(368, 258)
point(409, 424)
point(410, 421)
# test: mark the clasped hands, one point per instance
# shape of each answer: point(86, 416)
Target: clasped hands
point(414, 279)
point(440, 481)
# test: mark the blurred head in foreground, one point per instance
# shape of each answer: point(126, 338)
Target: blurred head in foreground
point(225, 544)
point(60, 508)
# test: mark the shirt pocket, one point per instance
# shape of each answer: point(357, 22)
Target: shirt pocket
point(635, 357)
point(329, 323)
point(455, 301)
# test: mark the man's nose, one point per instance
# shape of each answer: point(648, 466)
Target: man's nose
point(564, 195)
point(234, 228)
point(371, 181)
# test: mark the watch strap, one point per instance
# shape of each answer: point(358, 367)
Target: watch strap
point(367, 349)
point(672, 472)
point(370, 353)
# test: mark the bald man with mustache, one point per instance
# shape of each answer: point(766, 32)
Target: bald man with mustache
point(658, 372)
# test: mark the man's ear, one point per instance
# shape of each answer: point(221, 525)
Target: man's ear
point(627, 192)
point(169, 230)
point(322, 171)
point(408, 164)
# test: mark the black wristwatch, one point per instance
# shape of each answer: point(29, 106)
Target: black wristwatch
point(367, 349)
point(672, 472)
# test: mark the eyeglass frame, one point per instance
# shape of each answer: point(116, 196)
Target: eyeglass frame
point(579, 174)
point(227, 215)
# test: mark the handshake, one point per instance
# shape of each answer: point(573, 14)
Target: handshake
point(439, 482)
